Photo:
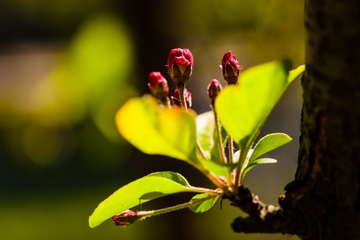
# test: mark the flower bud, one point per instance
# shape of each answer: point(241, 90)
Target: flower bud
point(158, 85)
point(125, 218)
point(230, 68)
point(213, 89)
point(180, 64)
point(187, 96)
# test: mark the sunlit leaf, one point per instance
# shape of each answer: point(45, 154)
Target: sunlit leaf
point(255, 163)
point(140, 191)
point(205, 205)
point(242, 109)
point(155, 130)
point(269, 143)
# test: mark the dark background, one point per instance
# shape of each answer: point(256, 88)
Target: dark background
point(65, 69)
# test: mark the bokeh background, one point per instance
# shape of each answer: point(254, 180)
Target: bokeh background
point(65, 69)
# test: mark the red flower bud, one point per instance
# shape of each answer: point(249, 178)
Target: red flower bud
point(158, 85)
point(180, 64)
point(230, 68)
point(187, 95)
point(125, 218)
point(213, 89)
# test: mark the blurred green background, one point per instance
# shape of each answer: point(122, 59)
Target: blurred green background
point(65, 69)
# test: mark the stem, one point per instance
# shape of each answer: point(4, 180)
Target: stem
point(218, 135)
point(207, 190)
point(165, 102)
point(144, 214)
point(213, 178)
point(181, 88)
point(238, 170)
point(231, 149)
point(241, 163)
point(200, 150)
point(242, 177)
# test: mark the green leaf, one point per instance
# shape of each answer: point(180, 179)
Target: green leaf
point(140, 191)
point(269, 143)
point(203, 206)
point(207, 136)
point(255, 163)
point(243, 108)
point(205, 130)
point(296, 72)
point(155, 130)
point(176, 177)
point(237, 155)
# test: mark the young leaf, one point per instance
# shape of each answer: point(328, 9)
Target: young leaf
point(269, 143)
point(209, 201)
point(237, 155)
point(155, 130)
point(205, 131)
point(140, 191)
point(215, 150)
point(207, 137)
point(243, 108)
point(255, 163)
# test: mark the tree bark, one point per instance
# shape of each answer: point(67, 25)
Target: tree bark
point(323, 202)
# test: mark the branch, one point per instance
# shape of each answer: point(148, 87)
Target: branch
point(274, 220)
point(264, 218)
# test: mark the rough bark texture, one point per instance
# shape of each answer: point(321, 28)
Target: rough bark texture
point(327, 183)
point(323, 202)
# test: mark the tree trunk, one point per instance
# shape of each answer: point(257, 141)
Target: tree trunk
point(327, 182)
point(323, 202)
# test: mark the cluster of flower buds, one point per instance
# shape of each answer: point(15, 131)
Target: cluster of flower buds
point(180, 64)
point(230, 70)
